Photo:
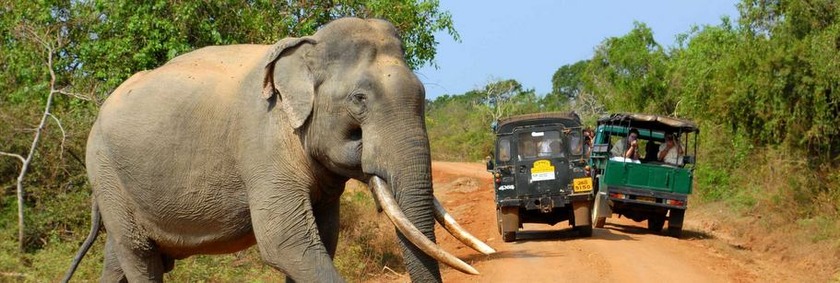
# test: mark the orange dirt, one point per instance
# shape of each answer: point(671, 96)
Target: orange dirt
point(622, 252)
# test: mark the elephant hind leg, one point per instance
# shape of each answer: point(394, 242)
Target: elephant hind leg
point(141, 265)
point(168, 263)
point(139, 260)
point(111, 269)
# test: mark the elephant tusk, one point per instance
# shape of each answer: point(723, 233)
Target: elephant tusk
point(389, 205)
point(448, 222)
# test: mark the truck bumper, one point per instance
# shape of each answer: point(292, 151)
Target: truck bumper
point(546, 203)
point(646, 197)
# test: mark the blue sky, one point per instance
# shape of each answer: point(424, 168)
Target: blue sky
point(529, 40)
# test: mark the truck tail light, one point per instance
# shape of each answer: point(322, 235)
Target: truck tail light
point(617, 195)
point(588, 171)
point(674, 202)
point(497, 177)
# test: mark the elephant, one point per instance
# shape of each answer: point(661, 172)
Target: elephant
point(227, 147)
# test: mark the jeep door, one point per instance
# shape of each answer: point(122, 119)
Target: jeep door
point(541, 163)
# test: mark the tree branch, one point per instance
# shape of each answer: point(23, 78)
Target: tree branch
point(28, 160)
point(74, 95)
point(18, 156)
point(63, 136)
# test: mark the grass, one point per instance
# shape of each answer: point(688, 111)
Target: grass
point(367, 244)
point(776, 202)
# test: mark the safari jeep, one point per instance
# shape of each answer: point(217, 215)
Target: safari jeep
point(538, 171)
point(646, 188)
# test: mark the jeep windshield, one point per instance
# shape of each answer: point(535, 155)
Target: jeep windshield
point(540, 144)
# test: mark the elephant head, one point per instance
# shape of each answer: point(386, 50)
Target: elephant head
point(359, 110)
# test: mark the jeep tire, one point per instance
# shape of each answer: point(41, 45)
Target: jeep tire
point(655, 222)
point(509, 223)
point(675, 222)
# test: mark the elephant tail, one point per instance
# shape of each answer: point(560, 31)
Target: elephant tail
point(96, 223)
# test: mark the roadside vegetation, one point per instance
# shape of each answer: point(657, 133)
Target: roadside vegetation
point(765, 89)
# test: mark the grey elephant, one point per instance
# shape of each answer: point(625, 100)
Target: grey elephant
point(230, 146)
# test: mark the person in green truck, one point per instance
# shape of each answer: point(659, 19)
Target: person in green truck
point(671, 152)
point(627, 147)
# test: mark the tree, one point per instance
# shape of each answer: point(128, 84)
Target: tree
point(104, 42)
point(628, 73)
point(772, 78)
point(497, 98)
point(128, 36)
point(566, 85)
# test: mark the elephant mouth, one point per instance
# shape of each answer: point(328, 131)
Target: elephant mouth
point(382, 193)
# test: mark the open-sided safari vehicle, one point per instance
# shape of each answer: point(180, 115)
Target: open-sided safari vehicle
point(651, 187)
point(538, 171)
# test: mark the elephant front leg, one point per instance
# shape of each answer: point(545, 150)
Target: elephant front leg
point(288, 237)
point(327, 218)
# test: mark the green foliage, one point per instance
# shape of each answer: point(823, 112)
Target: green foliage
point(97, 45)
point(628, 73)
point(772, 78)
point(124, 37)
point(459, 126)
point(566, 83)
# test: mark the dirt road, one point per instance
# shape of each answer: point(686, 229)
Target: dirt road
point(622, 252)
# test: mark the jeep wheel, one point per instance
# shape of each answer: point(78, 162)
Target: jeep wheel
point(582, 219)
point(509, 237)
point(509, 223)
point(655, 222)
point(675, 221)
point(499, 220)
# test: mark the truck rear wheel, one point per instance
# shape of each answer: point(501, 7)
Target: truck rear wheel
point(509, 223)
point(656, 222)
point(675, 222)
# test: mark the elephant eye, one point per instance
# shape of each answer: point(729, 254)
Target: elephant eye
point(358, 104)
point(359, 98)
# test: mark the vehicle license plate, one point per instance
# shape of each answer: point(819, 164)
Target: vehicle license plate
point(646, 199)
point(582, 185)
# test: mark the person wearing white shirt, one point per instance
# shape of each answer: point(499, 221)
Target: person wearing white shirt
point(671, 152)
point(627, 147)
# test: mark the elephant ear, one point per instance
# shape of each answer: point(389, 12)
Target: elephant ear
point(287, 74)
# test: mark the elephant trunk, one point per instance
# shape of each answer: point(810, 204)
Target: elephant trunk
point(398, 153)
point(412, 188)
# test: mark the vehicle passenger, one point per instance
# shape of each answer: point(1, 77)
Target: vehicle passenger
point(588, 135)
point(671, 152)
point(627, 147)
point(545, 148)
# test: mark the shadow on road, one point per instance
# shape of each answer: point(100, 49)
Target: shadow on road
point(477, 257)
point(547, 235)
point(687, 234)
point(566, 234)
point(606, 234)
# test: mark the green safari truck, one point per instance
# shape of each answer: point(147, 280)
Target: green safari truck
point(643, 169)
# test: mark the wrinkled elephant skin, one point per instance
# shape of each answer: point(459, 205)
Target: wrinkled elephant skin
point(230, 146)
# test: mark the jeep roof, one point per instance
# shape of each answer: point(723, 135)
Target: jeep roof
point(568, 119)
